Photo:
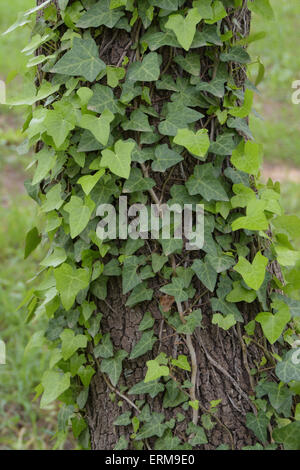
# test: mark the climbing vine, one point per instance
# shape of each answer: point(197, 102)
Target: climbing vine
point(166, 121)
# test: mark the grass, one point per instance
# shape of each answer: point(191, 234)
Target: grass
point(279, 132)
point(22, 424)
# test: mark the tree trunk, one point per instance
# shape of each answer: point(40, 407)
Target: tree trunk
point(223, 370)
point(223, 363)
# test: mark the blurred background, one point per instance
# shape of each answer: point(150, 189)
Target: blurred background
point(22, 424)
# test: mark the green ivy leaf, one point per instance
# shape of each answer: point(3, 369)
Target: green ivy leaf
point(99, 127)
point(119, 160)
point(247, 157)
point(253, 274)
point(205, 273)
point(155, 427)
point(223, 322)
point(258, 424)
point(155, 371)
point(79, 214)
point(71, 343)
point(46, 160)
point(139, 294)
point(240, 294)
point(100, 14)
point(184, 27)
point(182, 363)
point(219, 261)
point(105, 349)
point(88, 182)
point(69, 282)
point(289, 368)
point(144, 345)
point(54, 384)
point(176, 289)
point(196, 143)
point(146, 71)
point(151, 388)
point(82, 60)
point(263, 8)
point(205, 182)
point(236, 54)
point(243, 111)
point(273, 325)
point(138, 122)
point(32, 241)
point(113, 366)
point(288, 435)
point(165, 158)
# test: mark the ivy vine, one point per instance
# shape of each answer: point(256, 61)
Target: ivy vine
point(103, 129)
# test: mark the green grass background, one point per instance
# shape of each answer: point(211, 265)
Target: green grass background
point(22, 424)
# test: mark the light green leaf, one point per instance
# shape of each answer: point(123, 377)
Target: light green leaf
point(99, 127)
point(53, 199)
point(253, 274)
point(182, 362)
point(46, 160)
point(71, 343)
point(196, 143)
point(243, 111)
point(54, 383)
point(223, 322)
point(247, 157)
point(273, 325)
point(263, 8)
point(88, 182)
point(241, 294)
point(79, 215)
point(184, 27)
point(56, 258)
point(155, 370)
point(59, 124)
point(119, 160)
point(69, 282)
